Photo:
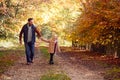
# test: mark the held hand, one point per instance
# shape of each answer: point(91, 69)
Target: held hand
point(44, 40)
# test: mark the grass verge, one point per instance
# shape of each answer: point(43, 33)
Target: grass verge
point(8, 57)
point(113, 74)
point(44, 51)
point(52, 76)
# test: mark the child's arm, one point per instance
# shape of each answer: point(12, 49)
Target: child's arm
point(58, 48)
point(44, 40)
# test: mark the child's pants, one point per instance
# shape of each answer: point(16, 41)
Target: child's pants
point(51, 57)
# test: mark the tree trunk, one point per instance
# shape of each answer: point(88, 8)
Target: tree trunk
point(87, 47)
point(115, 54)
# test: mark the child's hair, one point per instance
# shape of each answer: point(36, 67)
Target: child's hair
point(54, 34)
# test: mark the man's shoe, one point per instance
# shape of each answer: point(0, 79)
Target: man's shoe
point(31, 62)
point(28, 63)
point(51, 62)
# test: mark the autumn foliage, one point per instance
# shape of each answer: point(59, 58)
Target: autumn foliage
point(99, 23)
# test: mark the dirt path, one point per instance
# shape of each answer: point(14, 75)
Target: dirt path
point(21, 71)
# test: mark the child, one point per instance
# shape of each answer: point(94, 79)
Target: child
point(53, 47)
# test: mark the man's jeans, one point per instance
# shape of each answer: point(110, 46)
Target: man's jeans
point(29, 50)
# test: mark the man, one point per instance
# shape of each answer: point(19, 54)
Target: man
point(29, 30)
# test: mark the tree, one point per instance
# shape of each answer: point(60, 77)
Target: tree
point(99, 22)
point(57, 15)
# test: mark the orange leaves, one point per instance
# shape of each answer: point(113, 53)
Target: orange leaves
point(99, 21)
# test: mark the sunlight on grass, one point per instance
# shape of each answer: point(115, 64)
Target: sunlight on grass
point(52, 76)
point(17, 48)
point(8, 43)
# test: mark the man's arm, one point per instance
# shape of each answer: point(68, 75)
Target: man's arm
point(38, 33)
point(20, 35)
point(44, 40)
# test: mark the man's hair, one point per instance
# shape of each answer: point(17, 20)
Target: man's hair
point(29, 19)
